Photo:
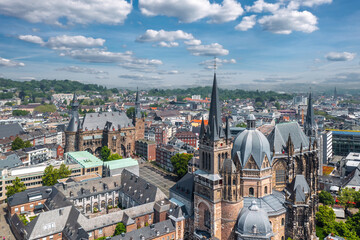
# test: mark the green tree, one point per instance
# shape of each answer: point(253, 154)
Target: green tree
point(354, 223)
point(243, 125)
point(326, 198)
point(346, 197)
point(119, 229)
point(130, 112)
point(18, 143)
point(52, 175)
point(105, 153)
point(20, 113)
point(114, 156)
point(180, 163)
point(17, 186)
point(325, 215)
point(277, 105)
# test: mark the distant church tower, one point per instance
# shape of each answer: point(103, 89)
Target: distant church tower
point(214, 148)
point(310, 126)
point(138, 119)
point(71, 130)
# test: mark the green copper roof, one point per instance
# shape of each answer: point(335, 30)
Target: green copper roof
point(85, 159)
point(121, 163)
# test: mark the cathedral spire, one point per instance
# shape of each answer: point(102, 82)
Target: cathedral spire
point(137, 105)
point(202, 129)
point(310, 125)
point(215, 123)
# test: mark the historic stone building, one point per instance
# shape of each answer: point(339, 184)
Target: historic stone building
point(112, 129)
point(252, 187)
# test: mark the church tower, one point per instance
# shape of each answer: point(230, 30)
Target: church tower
point(310, 126)
point(138, 119)
point(214, 148)
point(71, 130)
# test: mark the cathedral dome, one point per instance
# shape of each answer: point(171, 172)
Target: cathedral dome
point(251, 142)
point(254, 221)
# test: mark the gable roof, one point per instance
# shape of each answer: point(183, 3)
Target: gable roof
point(280, 135)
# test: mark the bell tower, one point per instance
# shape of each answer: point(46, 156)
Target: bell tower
point(214, 148)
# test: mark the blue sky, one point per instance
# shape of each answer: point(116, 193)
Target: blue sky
point(153, 43)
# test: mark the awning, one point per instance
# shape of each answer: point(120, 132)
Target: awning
point(334, 188)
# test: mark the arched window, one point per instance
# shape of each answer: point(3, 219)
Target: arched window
point(282, 238)
point(265, 190)
point(209, 165)
point(207, 220)
point(282, 222)
point(219, 161)
point(251, 192)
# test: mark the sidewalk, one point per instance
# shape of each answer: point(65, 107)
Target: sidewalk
point(4, 227)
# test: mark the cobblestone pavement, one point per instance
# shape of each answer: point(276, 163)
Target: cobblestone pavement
point(4, 226)
point(156, 177)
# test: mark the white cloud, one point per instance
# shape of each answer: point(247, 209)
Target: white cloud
point(165, 36)
point(9, 63)
point(140, 77)
point(168, 44)
point(61, 42)
point(73, 11)
point(191, 11)
point(246, 23)
point(77, 69)
point(141, 64)
point(31, 38)
point(261, 6)
point(171, 72)
point(193, 42)
point(284, 21)
point(312, 3)
point(96, 55)
point(340, 56)
point(214, 49)
point(209, 64)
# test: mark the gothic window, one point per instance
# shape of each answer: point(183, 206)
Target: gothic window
point(207, 220)
point(229, 180)
point(251, 192)
point(226, 155)
point(280, 176)
point(265, 190)
point(234, 181)
point(282, 222)
point(219, 161)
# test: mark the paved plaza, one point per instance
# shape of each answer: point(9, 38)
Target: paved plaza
point(156, 177)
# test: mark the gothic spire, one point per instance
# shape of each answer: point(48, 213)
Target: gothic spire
point(137, 105)
point(215, 123)
point(202, 129)
point(227, 129)
point(310, 125)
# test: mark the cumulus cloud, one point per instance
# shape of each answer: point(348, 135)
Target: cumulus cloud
point(214, 49)
point(73, 11)
point(209, 64)
point(140, 77)
point(191, 11)
point(246, 23)
point(284, 21)
point(96, 55)
point(260, 6)
point(168, 44)
point(32, 39)
point(193, 42)
point(9, 63)
point(77, 69)
point(60, 42)
point(165, 36)
point(340, 56)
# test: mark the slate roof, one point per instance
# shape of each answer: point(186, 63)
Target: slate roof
point(354, 178)
point(229, 166)
point(154, 231)
point(251, 142)
point(185, 187)
point(280, 134)
point(298, 189)
point(94, 121)
point(23, 197)
point(11, 161)
point(273, 204)
point(12, 129)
